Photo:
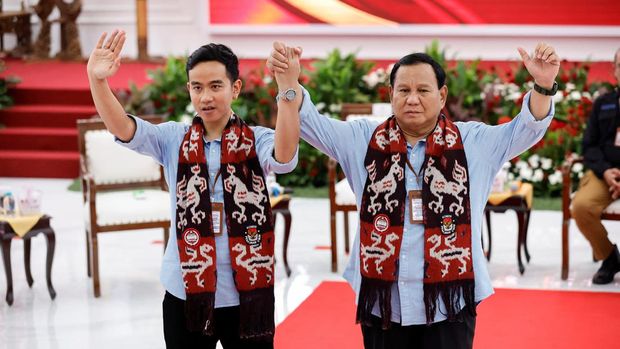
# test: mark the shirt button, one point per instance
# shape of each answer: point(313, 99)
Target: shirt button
point(212, 174)
point(402, 283)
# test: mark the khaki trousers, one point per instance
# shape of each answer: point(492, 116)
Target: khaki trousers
point(587, 206)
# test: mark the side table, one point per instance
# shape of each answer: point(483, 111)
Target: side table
point(281, 206)
point(519, 201)
point(6, 236)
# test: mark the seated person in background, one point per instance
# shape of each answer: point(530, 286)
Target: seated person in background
point(600, 186)
point(215, 169)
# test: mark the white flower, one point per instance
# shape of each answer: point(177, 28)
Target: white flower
point(533, 161)
point(557, 98)
point(513, 96)
point(538, 176)
point(578, 167)
point(546, 163)
point(555, 177)
point(521, 165)
point(190, 109)
point(575, 95)
point(526, 173)
point(186, 119)
point(570, 86)
point(267, 79)
point(335, 108)
point(319, 106)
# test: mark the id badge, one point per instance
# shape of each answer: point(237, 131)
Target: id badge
point(617, 140)
point(416, 215)
point(217, 211)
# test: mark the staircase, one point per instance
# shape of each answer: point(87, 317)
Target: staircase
point(39, 134)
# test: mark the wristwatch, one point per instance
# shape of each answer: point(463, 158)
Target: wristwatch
point(545, 91)
point(288, 95)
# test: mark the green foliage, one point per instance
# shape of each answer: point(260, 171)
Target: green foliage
point(168, 89)
point(5, 84)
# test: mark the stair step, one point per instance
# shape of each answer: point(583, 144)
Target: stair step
point(44, 115)
point(38, 138)
point(33, 95)
point(39, 164)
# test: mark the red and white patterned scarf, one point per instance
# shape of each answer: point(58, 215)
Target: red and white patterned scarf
point(248, 217)
point(448, 267)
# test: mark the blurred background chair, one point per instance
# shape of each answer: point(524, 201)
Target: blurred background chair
point(122, 190)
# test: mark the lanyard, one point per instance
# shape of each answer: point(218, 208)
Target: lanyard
point(416, 174)
point(217, 175)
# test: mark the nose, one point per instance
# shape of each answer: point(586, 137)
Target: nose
point(413, 98)
point(205, 96)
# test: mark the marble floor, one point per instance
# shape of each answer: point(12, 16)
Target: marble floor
point(128, 313)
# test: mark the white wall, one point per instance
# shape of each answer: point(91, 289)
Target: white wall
point(180, 26)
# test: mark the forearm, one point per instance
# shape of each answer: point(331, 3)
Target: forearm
point(110, 110)
point(286, 139)
point(540, 105)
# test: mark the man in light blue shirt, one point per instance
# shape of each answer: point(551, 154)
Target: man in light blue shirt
point(215, 289)
point(419, 269)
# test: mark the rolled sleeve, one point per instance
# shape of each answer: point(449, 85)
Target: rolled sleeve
point(530, 121)
point(264, 148)
point(287, 167)
point(150, 139)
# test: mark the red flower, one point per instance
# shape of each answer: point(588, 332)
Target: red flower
point(556, 125)
point(504, 119)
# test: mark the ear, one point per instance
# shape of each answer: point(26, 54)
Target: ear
point(188, 87)
point(443, 95)
point(236, 88)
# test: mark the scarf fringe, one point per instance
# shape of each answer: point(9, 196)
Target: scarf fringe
point(256, 314)
point(371, 291)
point(450, 293)
point(199, 309)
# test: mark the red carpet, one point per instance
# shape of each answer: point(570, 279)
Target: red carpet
point(510, 318)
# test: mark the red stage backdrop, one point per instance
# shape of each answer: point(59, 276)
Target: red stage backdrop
point(395, 12)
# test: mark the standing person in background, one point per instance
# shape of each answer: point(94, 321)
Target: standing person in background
point(600, 185)
point(218, 270)
point(421, 183)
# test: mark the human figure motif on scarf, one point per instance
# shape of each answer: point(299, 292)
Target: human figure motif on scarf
point(421, 182)
point(218, 269)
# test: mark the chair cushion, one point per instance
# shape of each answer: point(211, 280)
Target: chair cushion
point(130, 206)
point(613, 208)
point(111, 163)
point(344, 193)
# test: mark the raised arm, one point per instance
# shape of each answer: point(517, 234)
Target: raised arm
point(289, 101)
point(103, 63)
point(543, 66)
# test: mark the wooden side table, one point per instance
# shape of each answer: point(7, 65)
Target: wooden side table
point(519, 201)
point(282, 208)
point(6, 236)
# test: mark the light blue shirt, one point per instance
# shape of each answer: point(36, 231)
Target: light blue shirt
point(486, 149)
point(162, 142)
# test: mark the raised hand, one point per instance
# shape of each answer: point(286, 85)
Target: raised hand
point(290, 76)
point(543, 65)
point(283, 62)
point(105, 59)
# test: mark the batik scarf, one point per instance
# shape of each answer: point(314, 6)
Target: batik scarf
point(448, 267)
point(248, 217)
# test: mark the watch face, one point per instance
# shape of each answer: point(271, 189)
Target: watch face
point(290, 95)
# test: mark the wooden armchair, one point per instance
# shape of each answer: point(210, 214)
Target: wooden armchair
point(612, 212)
point(341, 196)
point(122, 190)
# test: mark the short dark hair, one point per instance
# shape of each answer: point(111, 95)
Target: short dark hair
point(215, 52)
point(420, 58)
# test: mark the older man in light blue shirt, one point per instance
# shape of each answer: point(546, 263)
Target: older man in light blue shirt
point(418, 93)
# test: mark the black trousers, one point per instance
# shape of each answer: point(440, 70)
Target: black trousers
point(226, 329)
point(440, 335)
